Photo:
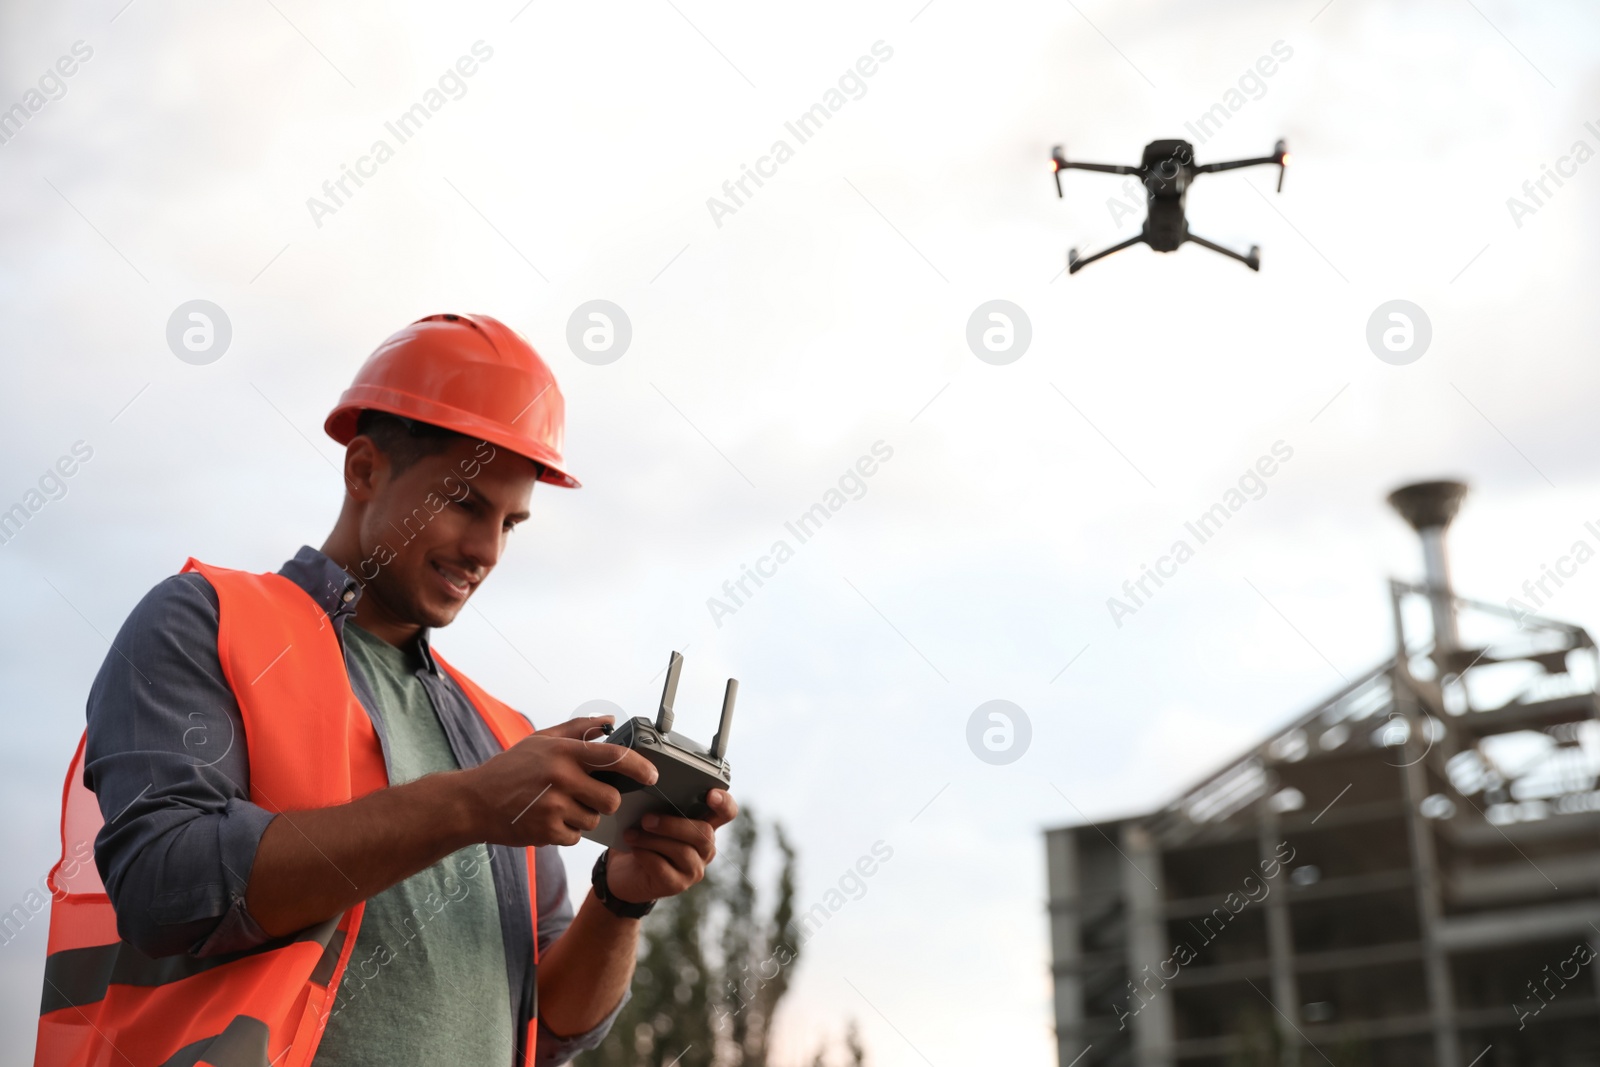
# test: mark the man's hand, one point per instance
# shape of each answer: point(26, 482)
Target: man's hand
point(539, 791)
point(668, 853)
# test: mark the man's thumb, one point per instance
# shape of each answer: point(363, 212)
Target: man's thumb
point(585, 729)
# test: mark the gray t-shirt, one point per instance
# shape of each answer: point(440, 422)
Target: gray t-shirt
point(426, 982)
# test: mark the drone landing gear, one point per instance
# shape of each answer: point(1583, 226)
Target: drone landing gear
point(1253, 260)
point(1075, 264)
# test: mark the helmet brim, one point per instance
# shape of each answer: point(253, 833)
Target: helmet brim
point(341, 426)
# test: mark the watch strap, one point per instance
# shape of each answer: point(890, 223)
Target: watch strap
point(622, 909)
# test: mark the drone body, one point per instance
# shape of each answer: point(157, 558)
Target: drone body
point(1167, 170)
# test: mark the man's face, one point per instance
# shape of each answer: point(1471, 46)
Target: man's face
point(431, 534)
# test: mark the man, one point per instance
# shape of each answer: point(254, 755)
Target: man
point(316, 833)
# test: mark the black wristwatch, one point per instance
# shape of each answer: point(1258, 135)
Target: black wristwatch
point(622, 909)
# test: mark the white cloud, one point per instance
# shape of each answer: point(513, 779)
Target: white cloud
point(804, 329)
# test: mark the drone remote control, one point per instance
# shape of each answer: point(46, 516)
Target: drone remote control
point(687, 768)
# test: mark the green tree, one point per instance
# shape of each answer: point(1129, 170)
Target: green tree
point(713, 964)
point(854, 1050)
point(852, 1044)
point(1259, 1044)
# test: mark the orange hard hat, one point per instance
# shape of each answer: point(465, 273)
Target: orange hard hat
point(467, 373)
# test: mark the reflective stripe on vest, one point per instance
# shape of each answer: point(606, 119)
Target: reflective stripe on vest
point(310, 745)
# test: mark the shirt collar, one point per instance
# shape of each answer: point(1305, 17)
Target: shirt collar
point(336, 592)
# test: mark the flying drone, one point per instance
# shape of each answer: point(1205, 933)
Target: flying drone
point(1167, 170)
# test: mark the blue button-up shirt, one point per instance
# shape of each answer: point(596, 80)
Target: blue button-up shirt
point(166, 757)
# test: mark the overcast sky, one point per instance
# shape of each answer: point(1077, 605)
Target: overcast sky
point(775, 345)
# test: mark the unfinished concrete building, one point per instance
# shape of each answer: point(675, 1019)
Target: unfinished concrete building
point(1408, 875)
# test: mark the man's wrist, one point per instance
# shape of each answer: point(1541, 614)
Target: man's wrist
point(462, 807)
point(622, 909)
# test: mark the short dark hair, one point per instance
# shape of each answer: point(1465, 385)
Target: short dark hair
point(405, 441)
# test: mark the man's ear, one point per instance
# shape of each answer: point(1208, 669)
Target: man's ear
point(365, 468)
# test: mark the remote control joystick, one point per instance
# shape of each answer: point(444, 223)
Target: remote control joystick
point(688, 770)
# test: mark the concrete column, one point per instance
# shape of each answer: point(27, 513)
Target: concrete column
point(1425, 871)
point(1142, 883)
point(1066, 942)
point(1280, 943)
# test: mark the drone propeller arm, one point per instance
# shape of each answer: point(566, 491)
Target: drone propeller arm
point(1279, 159)
point(1074, 264)
point(1103, 168)
point(1252, 261)
point(1059, 162)
point(1235, 164)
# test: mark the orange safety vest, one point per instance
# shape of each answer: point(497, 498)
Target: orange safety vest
point(310, 745)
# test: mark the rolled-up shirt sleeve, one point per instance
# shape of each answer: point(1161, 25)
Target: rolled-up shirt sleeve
point(555, 915)
point(166, 758)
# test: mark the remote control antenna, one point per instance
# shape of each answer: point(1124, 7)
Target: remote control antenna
point(719, 743)
point(669, 694)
